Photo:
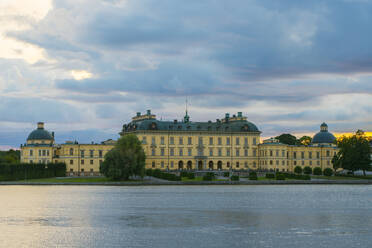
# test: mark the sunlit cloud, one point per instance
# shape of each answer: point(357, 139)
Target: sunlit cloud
point(81, 74)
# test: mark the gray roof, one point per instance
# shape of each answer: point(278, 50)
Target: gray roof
point(323, 137)
point(40, 134)
point(156, 125)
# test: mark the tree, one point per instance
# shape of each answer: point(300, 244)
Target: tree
point(304, 140)
point(355, 152)
point(126, 159)
point(317, 171)
point(298, 170)
point(308, 170)
point(336, 162)
point(327, 172)
point(287, 138)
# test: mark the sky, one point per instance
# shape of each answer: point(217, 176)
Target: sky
point(85, 67)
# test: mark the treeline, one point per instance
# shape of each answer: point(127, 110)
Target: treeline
point(11, 156)
point(13, 172)
point(290, 139)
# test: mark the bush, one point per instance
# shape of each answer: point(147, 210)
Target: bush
point(302, 177)
point(280, 176)
point(252, 175)
point(328, 172)
point(191, 176)
point(270, 175)
point(23, 171)
point(184, 174)
point(148, 172)
point(317, 171)
point(298, 170)
point(226, 174)
point(308, 170)
point(234, 178)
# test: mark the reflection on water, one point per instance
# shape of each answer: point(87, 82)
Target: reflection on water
point(192, 216)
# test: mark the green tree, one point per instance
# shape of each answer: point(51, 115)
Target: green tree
point(126, 159)
point(317, 171)
point(298, 169)
point(287, 138)
point(308, 170)
point(355, 152)
point(336, 162)
point(327, 172)
point(304, 140)
point(11, 156)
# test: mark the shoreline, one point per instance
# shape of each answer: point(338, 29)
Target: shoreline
point(199, 183)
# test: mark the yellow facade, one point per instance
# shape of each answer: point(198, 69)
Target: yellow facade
point(229, 143)
point(275, 156)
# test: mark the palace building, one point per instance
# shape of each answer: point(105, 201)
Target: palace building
point(230, 143)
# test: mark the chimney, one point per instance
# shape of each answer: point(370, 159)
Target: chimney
point(240, 114)
point(40, 125)
point(175, 121)
point(138, 114)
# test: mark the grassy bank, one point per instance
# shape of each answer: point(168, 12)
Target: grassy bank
point(74, 180)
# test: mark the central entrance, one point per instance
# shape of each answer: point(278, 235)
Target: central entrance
point(200, 165)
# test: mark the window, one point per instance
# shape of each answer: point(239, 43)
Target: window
point(317, 154)
point(254, 152)
point(153, 152)
point(162, 151)
point(302, 155)
point(44, 152)
point(295, 162)
point(162, 140)
point(31, 161)
point(245, 164)
point(189, 140)
point(71, 161)
point(100, 162)
point(254, 164)
point(82, 161)
point(310, 162)
point(277, 153)
point(31, 152)
point(302, 162)
point(172, 164)
point(310, 155)
point(153, 141)
point(39, 153)
point(271, 153)
point(153, 164)
point(71, 170)
point(200, 140)
point(246, 152)
point(228, 164)
point(227, 152)
point(283, 153)
point(144, 140)
point(172, 152)
point(237, 152)
point(254, 141)
point(211, 140)
point(162, 164)
point(181, 141)
point(181, 152)
point(271, 162)
point(91, 161)
point(227, 141)
point(294, 155)
point(283, 163)
point(219, 140)
point(189, 152)
point(246, 141)
point(328, 153)
point(237, 164)
point(47, 152)
point(171, 140)
point(219, 152)
point(71, 151)
point(210, 151)
point(100, 153)
point(317, 162)
point(237, 141)
point(91, 153)
point(82, 153)
point(328, 162)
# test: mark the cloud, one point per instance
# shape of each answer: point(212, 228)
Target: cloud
point(288, 65)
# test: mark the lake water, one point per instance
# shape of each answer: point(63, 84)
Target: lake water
point(186, 216)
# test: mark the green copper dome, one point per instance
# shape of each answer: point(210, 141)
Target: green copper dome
point(40, 133)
